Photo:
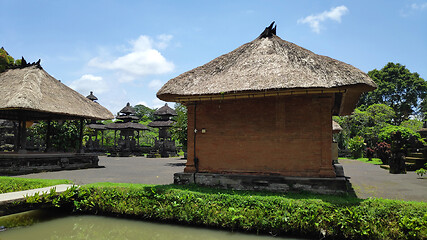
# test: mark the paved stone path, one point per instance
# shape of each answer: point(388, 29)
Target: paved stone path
point(367, 180)
point(121, 170)
point(17, 196)
point(370, 180)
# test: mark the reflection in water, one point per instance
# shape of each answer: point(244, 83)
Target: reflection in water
point(97, 227)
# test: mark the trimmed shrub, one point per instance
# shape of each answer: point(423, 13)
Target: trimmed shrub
point(356, 146)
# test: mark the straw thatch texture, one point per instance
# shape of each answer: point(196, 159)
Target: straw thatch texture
point(126, 126)
point(336, 128)
point(128, 109)
point(165, 110)
point(157, 124)
point(262, 65)
point(32, 93)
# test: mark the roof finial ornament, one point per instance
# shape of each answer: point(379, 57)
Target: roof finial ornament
point(269, 31)
point(23, 62)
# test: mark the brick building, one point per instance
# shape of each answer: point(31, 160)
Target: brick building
point(264, 109)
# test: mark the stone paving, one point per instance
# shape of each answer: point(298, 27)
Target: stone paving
point(367, 180)
point(17, 196)
point(370, 180)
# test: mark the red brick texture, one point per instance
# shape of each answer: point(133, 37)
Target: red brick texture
point(288, 136)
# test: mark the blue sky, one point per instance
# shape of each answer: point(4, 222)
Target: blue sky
point(125, 50)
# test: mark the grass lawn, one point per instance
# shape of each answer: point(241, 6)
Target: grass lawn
point(375, 161)
point(14, 184)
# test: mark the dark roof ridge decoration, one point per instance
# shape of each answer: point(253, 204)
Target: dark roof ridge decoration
point(268, 31)
point(91, 96)
point(24, 64)
point(165, 110)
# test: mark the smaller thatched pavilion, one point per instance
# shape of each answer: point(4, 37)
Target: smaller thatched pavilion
point(127, 143)
point(28, 93)
point(94, 144)
point(260, 116)
point(164, 145)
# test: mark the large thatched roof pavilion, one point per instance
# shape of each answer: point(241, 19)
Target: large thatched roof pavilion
point(29, 93)
point(264, 109)
point(32, 93)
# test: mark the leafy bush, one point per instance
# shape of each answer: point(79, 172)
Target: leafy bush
point(383, 151)
point(420, 172)
point(306, 215)
point(386, 133)
point(356, 146)
point(413, 124)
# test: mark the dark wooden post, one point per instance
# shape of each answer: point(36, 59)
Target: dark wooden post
point(48, 132)
point(81, 136)
point(22, 136)
point(115, 142)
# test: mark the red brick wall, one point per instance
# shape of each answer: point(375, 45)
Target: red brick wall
point(288, 135)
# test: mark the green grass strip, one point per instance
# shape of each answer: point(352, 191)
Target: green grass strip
point(375, 161)
point(14, 184)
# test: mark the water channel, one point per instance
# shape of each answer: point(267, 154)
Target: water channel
point(98, 227)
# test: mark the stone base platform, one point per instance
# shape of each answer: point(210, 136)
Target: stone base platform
point(21, 163)
point(337, 185)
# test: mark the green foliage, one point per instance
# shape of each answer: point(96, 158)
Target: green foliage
point(356, 146)
point(307, 215)
point(375, 161)
point(64, 135)
point(366, 122)
point(420, 172)
point(413, 124)
point(399, 89)
point(144, 113)
point(407, 134)
point(5, 60)
point(12, 184)
point(179, 130)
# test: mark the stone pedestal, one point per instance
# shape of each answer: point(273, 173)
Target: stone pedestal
point(335, 185)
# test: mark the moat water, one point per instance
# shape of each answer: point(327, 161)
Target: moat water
point(41, 225)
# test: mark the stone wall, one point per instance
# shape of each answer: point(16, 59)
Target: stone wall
point(288, 136)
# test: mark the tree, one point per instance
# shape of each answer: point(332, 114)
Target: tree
point(365, 123)
point(5, 59)
point(179, 130)
point(398, 88)
point(144, 113)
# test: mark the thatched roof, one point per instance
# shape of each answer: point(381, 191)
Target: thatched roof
point(165, 110)
point(126, 126)
point(91, 97)
point(156, 124)
point(96, 126)
point(31, 93)
point(336, 128)
point(268, 64)
point(128, 110)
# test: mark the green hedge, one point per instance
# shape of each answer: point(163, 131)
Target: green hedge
point(14, 184)
point(304, 215)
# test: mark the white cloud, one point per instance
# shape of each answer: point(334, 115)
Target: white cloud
point(164, 40)
point(157, 103)
point(89, 82)
point(143, 59)
point(334, 14)
point(141, 103)
point(155, 84)
point(420, 6)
